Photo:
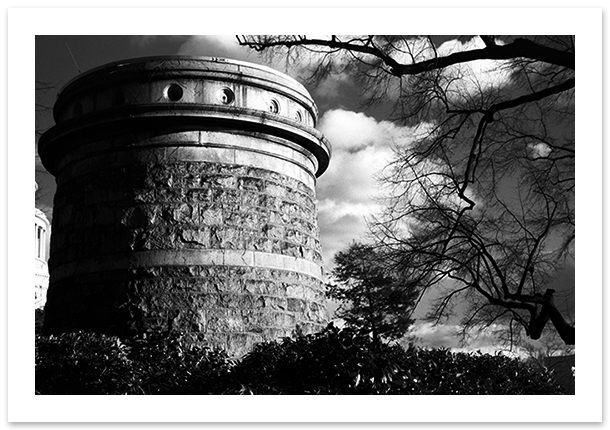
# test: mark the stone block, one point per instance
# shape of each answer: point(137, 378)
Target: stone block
point(212, 216)
point(184, 213)
point(295, 305)
point(238, 258)
point(196, 237)
point(190, 214)
point(295, 291)
point(275, 190)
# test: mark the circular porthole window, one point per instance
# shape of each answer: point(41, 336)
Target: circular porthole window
point(226, 96)
point(174, 92)
point(274, 106)
point(298, 116)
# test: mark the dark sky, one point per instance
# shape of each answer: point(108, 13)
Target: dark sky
point(55, 66)
point(60, 58)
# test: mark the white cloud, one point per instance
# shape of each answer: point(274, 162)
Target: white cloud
point(337, 234)
point(352, 131)
point(351, 176)
point(540, 150)
point(474, 76)
point(336, 211)
point(460, 80)
point(435, 336)
point(362, 147)
point(430, 335)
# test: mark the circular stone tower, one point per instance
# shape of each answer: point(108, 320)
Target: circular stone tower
point(185, 200)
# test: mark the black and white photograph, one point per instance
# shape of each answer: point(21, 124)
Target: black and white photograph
point(337, 219)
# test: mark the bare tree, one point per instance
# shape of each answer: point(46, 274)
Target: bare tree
point(481, 205)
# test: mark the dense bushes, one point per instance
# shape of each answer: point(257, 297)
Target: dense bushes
point(346, 362)
point(440, 371)
point(330, 362)
point(87, 363)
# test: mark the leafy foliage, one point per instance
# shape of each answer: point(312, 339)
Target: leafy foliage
point(349, 362)
point(88, 363)
point(440, 371)
point(374, 297)
point(332, 361)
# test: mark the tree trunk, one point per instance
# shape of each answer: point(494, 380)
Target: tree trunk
point(550, 311)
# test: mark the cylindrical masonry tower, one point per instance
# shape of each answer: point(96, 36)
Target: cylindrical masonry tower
point(185, 200)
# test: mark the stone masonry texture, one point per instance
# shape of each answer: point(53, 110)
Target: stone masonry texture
point(185, 201)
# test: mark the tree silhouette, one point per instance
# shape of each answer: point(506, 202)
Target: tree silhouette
point(373, 296)
point(481, 206)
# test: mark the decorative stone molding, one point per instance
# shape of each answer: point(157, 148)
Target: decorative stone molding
point(185, 201)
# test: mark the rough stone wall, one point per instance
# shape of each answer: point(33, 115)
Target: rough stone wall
point(186, 214)
point(173, 245)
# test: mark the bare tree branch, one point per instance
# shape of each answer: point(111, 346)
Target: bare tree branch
point(481, 200)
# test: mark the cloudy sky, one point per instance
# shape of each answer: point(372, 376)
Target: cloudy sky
point(361, 142)
point(336, 100)
point(361, 139)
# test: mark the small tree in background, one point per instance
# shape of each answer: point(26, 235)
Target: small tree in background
point(482, 205)
point(373, 297)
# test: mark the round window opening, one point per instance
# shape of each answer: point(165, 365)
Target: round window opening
point(299, 116)
point(227, 96)
point(174, 92)
point(274, 106)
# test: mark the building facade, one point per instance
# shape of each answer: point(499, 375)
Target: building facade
point(186, 201)
point(42, 231)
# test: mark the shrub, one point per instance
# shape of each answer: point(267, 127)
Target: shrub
point(88, 363)
point(439, 371)
point(332, 361)
point(349, 362)
point(82, 363)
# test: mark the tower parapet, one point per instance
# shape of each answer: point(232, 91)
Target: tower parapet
point(185, 200)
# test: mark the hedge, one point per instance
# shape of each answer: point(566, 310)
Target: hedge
point(332, 361)
point(89, 363)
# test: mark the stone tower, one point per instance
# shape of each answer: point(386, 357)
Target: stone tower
point(185, 200)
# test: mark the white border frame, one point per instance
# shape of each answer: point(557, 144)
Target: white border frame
point(24, 406)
